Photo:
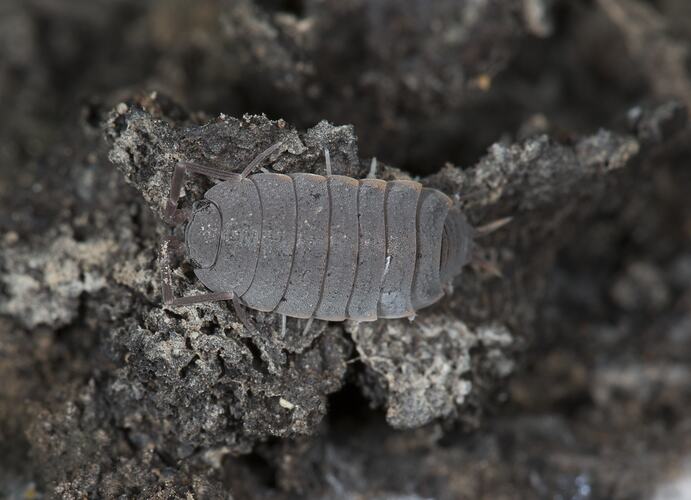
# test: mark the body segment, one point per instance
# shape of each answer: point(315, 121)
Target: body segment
point(301, 297)
point(341, 261)
point(401, 215)
point(371, 250)
point(278, 230)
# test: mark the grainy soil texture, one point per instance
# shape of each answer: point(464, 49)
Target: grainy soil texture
point(557, 367)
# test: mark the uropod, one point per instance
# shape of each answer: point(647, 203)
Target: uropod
point(325, 247)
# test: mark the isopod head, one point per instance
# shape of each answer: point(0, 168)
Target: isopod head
point(203, 234)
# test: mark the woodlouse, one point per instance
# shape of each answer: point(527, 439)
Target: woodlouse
point(326, 247)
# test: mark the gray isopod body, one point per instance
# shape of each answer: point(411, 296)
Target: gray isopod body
point(327, 247)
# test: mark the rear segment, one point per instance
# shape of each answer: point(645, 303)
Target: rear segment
point(457, 245)
point(432, 213)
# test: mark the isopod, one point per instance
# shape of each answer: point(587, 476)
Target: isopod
point(326, 247)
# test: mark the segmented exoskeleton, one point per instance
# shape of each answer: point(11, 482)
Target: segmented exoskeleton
point(326, 247)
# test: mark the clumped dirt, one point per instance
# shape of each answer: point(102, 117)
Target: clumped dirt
point(565, 377)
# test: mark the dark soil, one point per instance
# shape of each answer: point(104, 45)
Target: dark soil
point(567, 377)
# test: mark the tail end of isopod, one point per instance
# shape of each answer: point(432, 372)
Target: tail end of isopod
point(491, 227)
point(457, 245)
point(481, 262)
point(460, 248)
point(484, 265)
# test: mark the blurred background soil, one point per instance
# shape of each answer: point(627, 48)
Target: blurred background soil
point(569, 377)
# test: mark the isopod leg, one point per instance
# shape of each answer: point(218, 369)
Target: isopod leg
point(198, 299)
point(242, 315)
point(167, 280)
point(283, 325)
point(307, 327)
point(259, 159)
point(372, 169)
point(175, 216)
point(484, 264)
point(327, 158)
point(491, 227)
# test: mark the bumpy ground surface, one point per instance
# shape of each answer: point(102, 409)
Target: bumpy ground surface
point(567, 376)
